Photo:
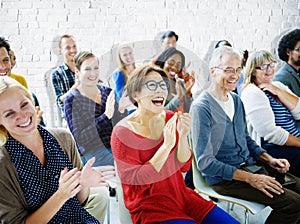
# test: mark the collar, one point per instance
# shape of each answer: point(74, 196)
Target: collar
point(295, 70)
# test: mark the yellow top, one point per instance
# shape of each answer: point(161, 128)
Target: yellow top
point(21, 79)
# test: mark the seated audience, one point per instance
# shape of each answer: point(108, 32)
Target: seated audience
point(151, 150)
point(271, 108)
point(222, 145)
point(42, 179)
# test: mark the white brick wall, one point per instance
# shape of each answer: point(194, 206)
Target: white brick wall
point(33, 27)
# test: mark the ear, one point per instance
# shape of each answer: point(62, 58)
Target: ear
point(212, 71)
point(288, 52)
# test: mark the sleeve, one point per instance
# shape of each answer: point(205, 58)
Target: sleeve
point(13, 207)
point(204, 151)
point(296, 111)
point(119, 80)
point(260, 115)
point(173, 104)
point(58, 87)
point(85, 128)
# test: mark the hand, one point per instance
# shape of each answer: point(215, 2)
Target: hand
point(69, 183)
point(190, 83)
point(108, 174)
point(93, 176)
point(270, 87)
point(179, 88)
point(170, 132)
point(110, 105)
point(39, 114)
point(281, 165)
point(266, 184)
point(125, 103)
point(184, 124)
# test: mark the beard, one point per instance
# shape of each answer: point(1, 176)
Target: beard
point(296, 62)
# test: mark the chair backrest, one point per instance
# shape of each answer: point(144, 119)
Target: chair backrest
point(124, 214)
point(203, 188)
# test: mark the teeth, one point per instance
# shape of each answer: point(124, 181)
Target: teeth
point(26, 124)
point(2, 74)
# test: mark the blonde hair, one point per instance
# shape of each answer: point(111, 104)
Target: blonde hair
point(6, 83)
point(121, 64)
point(256, 59)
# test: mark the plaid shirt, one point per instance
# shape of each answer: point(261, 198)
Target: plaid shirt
point(89, 125)
point(62, 79)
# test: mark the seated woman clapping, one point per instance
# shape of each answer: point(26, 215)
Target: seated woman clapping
point(42, 179)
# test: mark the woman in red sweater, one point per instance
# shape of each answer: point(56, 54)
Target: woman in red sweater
point(151, 151)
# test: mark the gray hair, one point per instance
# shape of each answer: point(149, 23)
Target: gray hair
point(219, 52)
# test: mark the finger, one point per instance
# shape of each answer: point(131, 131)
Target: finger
point(90, 162)
point(105, 168)
point(69, 174)
point(63, 172)
point(267, 193)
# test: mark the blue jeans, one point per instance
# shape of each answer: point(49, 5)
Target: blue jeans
point(216, 215)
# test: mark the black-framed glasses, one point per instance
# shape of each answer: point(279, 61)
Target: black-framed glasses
point(297, 49)
point(152, 85)
point(266, 66)
point(230, 70)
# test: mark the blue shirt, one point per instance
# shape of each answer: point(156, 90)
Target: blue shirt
point(39, 182)
point(62, 79)
point(119, 80)
point(220, 145)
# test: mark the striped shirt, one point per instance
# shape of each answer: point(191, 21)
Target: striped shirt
point(283, 118)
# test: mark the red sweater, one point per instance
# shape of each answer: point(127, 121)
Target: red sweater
point(151, 196)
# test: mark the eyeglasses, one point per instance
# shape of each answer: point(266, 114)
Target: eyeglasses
point(297, 49)
point(152, 85)
point(231, 70)
point(266, 66)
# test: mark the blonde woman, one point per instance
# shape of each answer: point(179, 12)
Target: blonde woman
point(42, 179)
point(126, 64)
point(271, 110)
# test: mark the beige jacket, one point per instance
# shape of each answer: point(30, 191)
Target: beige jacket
point(13, 206)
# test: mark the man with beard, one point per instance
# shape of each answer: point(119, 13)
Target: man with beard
point(289, 52)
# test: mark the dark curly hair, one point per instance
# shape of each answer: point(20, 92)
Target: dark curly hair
point(4, 43)
point(288, 41)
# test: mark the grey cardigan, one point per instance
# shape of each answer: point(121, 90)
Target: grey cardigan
point(13, 206)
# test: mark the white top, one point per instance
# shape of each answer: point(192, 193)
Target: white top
point(260, 117)
point(227, 106)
